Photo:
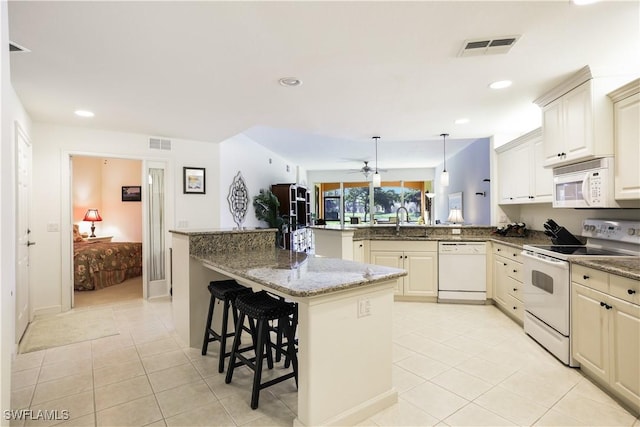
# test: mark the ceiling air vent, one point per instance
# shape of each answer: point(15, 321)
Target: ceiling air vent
point(15, 47)
point(488, 46)
point(160, 144)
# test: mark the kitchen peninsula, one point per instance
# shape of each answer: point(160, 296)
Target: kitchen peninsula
point(344, 309)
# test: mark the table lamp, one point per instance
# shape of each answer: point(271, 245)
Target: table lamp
point(455, 216)
point(93, 216)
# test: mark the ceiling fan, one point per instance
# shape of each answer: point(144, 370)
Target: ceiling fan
point(366, 170)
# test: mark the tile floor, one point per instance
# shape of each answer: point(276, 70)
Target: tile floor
point(453, 365)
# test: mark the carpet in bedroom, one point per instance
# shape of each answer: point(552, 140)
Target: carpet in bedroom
point(130, 289)
point(68, 328)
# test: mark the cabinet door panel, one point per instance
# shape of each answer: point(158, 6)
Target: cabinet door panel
point(500, 280)
point(552, 133)
point(423, 274)
point(390, 259)
point(625, 350)
point(627, 149)
point(590, 330)
point(542, 178)
point(578, 123)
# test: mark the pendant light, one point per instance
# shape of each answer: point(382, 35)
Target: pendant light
point(377, 178)
point(444, 176)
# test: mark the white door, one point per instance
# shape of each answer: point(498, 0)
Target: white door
point(155, 250)
point(23, 232)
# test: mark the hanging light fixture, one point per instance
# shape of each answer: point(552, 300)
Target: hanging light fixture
point(444, 176)
point(377, 178)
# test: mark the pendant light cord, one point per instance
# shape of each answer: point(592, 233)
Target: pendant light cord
point(376, 138)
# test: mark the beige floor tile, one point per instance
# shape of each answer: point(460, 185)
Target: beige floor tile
point(77, 406)
point(24, 378)
point(124, 391)
point(77, 351)
point(399, 352)
point(207, 365)
point(435, 400)
point(211, 414)
point(474, 415)
point(156, 347)
point(141, 336)
point(437, 332)
point(115, 357)
point(404, 380)
point(508, 405)
point(173, 377)
point(116, 373)
point(493, 373)
point(21, 398)
point(26, 361)
point(586, 389)
point(268, 406)
point(422, 366)
point(467, 345)
point(592, 412)
point(62, 387)
point(529, 386)
point(162, 361)
point(241, 383)
point(554, 418)
point(403, 413)
point(65, 368)
point(109, 344)
point(138, 412)
point(88, 420)
point(444, 354)
point(159, 423)
point(461, 383)
point(185, 398)
point(637, 423)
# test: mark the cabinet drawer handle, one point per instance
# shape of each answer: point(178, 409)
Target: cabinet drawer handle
point(515, 271)
point(585, 277)
point(631, 291)
point(504, 263)
point(559, 155)
point(515, 289)
point(605, 305)
point(514, 254)
point(515, 308)
point(602, 304)
point(499, 249)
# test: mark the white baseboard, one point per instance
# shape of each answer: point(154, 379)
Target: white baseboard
point(46, 311)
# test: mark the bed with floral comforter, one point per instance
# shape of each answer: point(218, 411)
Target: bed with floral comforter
point(97, 265)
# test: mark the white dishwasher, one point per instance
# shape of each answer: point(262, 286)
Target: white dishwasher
point(462, 272)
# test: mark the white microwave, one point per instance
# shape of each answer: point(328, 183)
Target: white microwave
point(584, 185)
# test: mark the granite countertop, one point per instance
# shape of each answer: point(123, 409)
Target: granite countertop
point(198, 231)
point(298, 274)
point(622, 266)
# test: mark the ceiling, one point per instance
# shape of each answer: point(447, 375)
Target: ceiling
point(209, 70)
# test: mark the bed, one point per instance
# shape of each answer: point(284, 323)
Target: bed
point(97, 265)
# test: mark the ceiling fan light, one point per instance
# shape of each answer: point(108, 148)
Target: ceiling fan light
point(377, 180)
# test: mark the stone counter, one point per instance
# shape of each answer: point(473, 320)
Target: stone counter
point(298, 274)
point(622, 266)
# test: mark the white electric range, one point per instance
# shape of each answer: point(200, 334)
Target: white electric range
point(547, 279)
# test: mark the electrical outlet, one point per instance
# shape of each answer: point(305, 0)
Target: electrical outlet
point(455, 231)
point(364, 307)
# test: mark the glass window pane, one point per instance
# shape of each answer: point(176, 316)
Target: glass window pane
point(356, 204)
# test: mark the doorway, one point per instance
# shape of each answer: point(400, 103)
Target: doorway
point(107, 218)
point(23, 298)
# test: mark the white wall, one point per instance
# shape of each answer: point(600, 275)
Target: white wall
point(11, 112)
point(52, 146)
point(259, 167)
point(122, 220)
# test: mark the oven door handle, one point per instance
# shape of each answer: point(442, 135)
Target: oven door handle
point(549, 261)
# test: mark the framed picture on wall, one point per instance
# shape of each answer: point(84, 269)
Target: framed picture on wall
point(193, 180)
point(131, 193)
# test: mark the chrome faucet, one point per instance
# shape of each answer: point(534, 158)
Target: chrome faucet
point(398, 217)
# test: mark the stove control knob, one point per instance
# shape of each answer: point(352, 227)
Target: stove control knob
point(631, 231)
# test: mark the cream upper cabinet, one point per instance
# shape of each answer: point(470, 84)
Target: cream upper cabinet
point(521, 175)
point(626, 121)
point(577, 119)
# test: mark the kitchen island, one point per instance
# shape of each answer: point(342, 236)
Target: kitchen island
point(344, 316)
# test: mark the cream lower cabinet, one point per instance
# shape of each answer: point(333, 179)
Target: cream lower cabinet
point(507, 280)
point(606, 332)
point(419, 258)
point(360, 251)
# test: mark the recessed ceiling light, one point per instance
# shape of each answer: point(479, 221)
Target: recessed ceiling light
point(84, 113)
point(500, 84)
point(290, 81)
point(462, 121)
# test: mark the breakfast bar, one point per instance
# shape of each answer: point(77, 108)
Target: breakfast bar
point(344, 316)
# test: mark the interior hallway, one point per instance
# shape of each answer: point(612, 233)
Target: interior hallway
point(453, 365)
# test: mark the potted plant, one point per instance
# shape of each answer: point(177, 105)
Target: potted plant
point(266, 205)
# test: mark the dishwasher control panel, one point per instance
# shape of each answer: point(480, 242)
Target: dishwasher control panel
point(462, 248)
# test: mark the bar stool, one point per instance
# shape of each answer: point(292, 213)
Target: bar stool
point(226, 291)
point(262, 308)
